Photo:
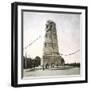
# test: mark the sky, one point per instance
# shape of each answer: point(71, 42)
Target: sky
point(68, 33)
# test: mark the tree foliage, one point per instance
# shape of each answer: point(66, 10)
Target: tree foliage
point(30, 63)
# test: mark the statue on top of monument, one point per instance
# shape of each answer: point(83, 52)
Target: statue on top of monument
point(50, 25)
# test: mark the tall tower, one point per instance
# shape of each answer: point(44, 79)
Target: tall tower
point(51, 56)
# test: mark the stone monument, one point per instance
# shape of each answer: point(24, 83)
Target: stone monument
point(51, 56)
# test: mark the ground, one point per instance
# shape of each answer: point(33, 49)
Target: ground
point(51, 72)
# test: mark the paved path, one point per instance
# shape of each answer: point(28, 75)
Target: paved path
point(48, 72)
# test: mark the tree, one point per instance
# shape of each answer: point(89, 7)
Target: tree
point(37, 61)
point(62, 61)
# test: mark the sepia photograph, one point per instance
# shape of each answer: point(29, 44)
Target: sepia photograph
point(49, 44)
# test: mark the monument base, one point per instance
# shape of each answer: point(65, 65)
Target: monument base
point(52, 61)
